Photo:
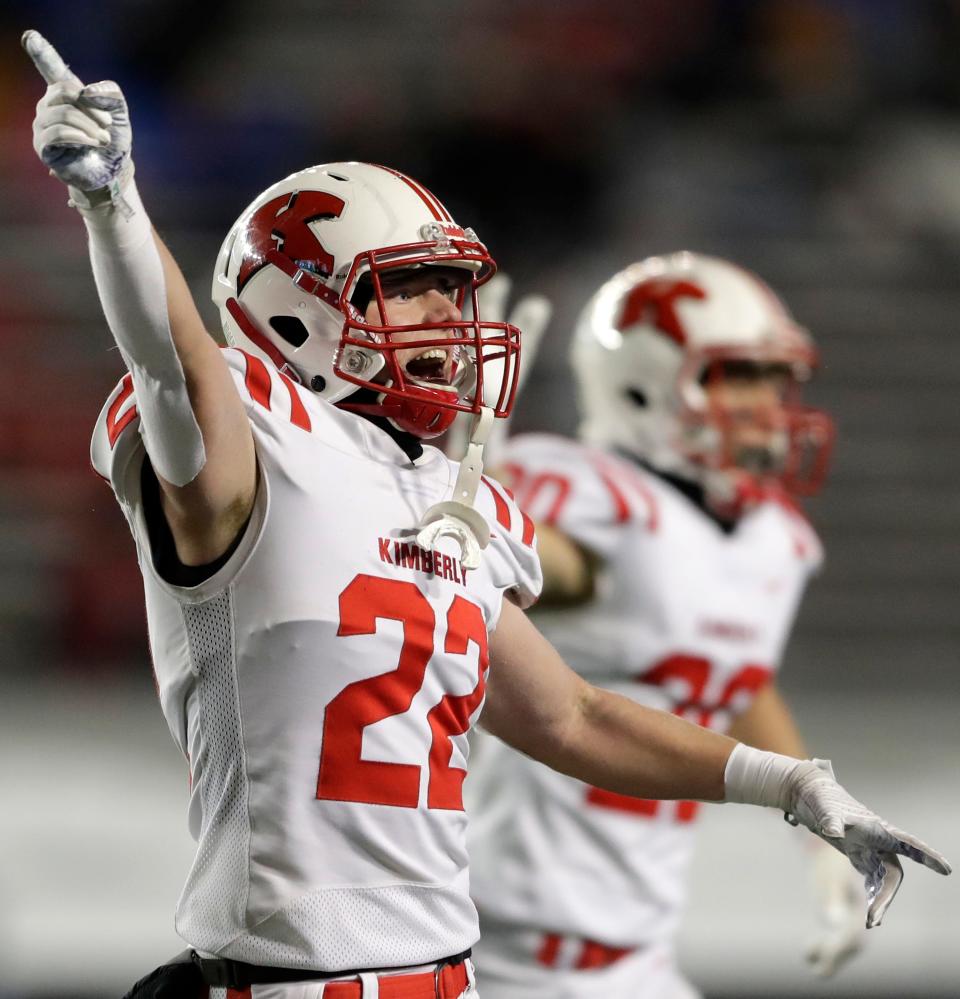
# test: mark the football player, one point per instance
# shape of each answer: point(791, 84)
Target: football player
point(674, 557)
point(325, 592)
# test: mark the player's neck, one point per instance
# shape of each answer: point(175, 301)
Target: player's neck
point(410, 444)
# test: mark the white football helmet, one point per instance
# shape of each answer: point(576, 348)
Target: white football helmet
point(297, 269)
point(648, 343)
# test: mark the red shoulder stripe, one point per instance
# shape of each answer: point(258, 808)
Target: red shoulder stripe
point(545, 481)
point(257, 380)
point(503, 511)
point(640, 488)
point(528, 529)
point(299, 416)
point(114, 427)
point(549, 950)
point(621, 507)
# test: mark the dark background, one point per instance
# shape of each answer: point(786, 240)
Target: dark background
point(815, 142)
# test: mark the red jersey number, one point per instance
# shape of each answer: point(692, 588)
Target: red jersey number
point(344, 775)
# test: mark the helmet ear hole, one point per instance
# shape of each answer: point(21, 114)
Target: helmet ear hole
point(362, 294)
point(636, 396)
point(291, 329)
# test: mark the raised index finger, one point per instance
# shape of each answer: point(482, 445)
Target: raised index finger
point(47, 59)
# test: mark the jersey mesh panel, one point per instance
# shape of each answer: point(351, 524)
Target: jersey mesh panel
point(352, 927)
point(214, 900)
point(330, 929)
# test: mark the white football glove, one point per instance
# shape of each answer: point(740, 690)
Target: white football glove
point(531, 315)
point(82, 133)
point(840, 900)
point(808, 793)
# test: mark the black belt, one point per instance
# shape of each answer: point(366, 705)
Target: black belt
point(229, 974)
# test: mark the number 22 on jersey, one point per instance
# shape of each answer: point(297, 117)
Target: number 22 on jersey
point(344, 775)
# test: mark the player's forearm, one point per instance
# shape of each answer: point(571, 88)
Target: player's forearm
point(144, 296)
point(160, 335)
point(622, 746)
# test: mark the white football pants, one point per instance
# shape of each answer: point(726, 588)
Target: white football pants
point(648, 974)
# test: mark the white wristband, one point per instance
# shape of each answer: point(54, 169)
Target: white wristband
point(129, 276)
point(755, 777)
point(113, 196)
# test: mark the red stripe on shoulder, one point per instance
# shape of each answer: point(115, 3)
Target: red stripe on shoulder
point(620, 505)
point(620, 481)
point(543, 484)
point(529, 532)
point(503, 510)
point(549, 950)
point(299, 416)
point(257, 380)
point(641, 489)
point(116, 427)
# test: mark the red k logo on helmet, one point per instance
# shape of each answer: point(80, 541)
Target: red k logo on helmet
point(282, 224)
point(654, 301)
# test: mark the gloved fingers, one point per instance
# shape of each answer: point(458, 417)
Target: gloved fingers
point(104, 96)
point(530, 315)
point(67, 116)
point(882, 887)
point(830, 952)
point(80, 97)
point(492, 298)
point(47, 59)
point(881, 836)
point(59, 93)
point(820, 959)
point(918, 851)
point(53, 142)
point(101, 117)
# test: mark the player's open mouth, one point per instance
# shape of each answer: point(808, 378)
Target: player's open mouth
point(434, 366)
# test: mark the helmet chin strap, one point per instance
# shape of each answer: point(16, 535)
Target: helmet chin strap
point(457, 518)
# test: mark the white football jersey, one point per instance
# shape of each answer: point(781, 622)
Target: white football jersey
point(686, 618)
point(321, 685)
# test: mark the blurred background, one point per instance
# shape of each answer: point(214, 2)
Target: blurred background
point(815, 142)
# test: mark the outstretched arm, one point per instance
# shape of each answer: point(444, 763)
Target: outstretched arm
point(192, 420)
point(539, 706)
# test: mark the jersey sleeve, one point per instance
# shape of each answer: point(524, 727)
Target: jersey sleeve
point(116, 450)
point(274, 408)
point(512, 551)
point(269, 396)
point(586, 494)
point(272, 400)
point(806, 546)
